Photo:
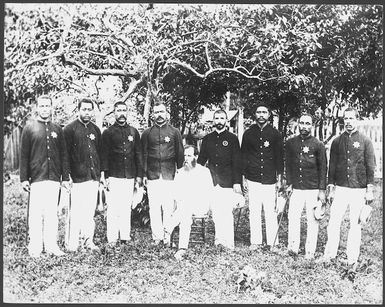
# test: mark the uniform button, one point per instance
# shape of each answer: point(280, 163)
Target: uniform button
point(216, 164)
point(348, 151)
point(49, 158)
point(261, 166)
point(300, 169)
point(90, 157)
point(261, 159)
point(47, 147)
point(92, 167)
point(125, 158)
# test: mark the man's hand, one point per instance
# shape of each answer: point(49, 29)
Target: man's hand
point(321, 196)
point(330, 193)
point(278, 185)
point(139, 181)
point(237, 188)
point(289, 189)
point(369, 196)
point(26, 186)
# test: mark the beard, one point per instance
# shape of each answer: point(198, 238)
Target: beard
point(189, 166)
point(219, 126)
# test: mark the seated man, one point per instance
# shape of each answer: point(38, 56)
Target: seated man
point(194, 187)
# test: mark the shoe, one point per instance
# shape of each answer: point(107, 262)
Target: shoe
point(179, 254)
point(309, 256)
point(255, 247)
point(55, 252)
point(34, 254)
point(324, 259)
point(92, 246)
point(292, 253)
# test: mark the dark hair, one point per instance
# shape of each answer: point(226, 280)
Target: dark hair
point(118, 103)
point(196, 152)
point(306, 114)
point(44, 97)
point(350, 109)
point(220, 111)
point(262, 104)
point(85, 100)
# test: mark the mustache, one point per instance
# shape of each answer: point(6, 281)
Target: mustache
point(122, 116)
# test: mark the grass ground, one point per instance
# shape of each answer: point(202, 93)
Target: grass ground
point(143, 273)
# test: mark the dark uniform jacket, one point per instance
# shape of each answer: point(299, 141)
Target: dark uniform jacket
point(43, 154)
point(262, 154)
point(162, 150)
point(84, 147)
point(352, 161)
point(222, 152)
point(121, 152)
point(306, 164)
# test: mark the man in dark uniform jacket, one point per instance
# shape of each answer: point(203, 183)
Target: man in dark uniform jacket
point(43, 165)
point(262, 152)
point(350, 183)
point(221, 150)
point(83, 139)
point(163, 154)
point(306, 168)
point(122, 165)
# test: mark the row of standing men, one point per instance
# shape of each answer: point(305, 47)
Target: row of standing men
point(80, 157)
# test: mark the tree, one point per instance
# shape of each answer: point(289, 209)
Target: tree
point(190, 55)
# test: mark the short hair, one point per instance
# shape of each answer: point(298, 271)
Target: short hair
point(306, 114)
point(44, 97)
point(196, 151)
point(220, 111)
point(118, 103)
point(262, 104)
point(159, 103)
point(350, 109)
point(85, 100)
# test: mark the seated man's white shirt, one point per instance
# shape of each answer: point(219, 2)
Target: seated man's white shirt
point(194, 190)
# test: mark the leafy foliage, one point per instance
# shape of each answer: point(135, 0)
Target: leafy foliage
point(190, 55)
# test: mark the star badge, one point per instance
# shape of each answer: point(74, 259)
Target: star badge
point(305, 149)
point(225, 143)
point(356, 144)
point(54, 134)
point(167, 139)
point(92, 137)
point(130, 138)
point(266, 144)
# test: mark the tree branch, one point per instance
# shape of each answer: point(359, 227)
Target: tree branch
point(133, 85)
point(208, 56)
point(224, 69)
point(99, 54)
point(99, 72)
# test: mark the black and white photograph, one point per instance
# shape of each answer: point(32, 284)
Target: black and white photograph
point(192, 153)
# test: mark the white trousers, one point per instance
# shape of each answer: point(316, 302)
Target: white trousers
point(161, 203)
point(43, 220)
point(298, 200)
point(83, 204)
point(182, 216)
point(262, 196)
point(119, 201)
point(222, 210)
point(355, 199)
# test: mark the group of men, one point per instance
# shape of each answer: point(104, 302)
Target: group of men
point(182, 183)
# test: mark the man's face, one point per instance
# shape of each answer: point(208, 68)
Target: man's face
point(120, 113)
point(44, 108)
point(262, 115)
point(305, 124)
point(85, 112)
point(189, 158)
point(350, 121)
point(220, 120)
point(160, 114)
